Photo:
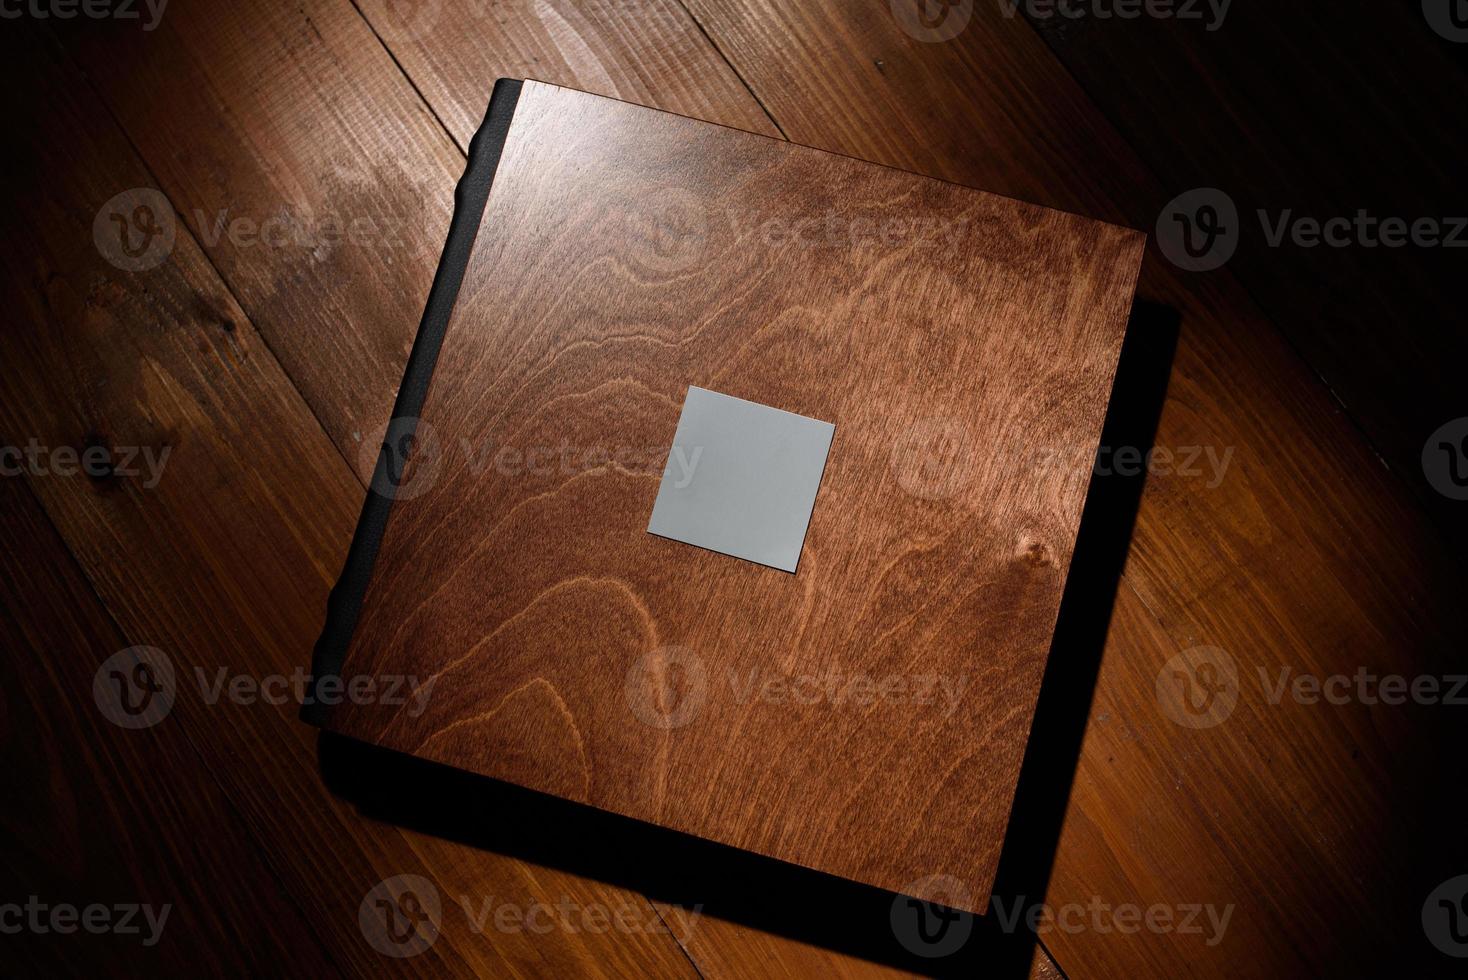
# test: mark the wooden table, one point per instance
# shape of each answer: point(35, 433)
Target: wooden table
point(306, 155)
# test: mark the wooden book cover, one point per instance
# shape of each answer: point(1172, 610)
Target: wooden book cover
point(863, 403)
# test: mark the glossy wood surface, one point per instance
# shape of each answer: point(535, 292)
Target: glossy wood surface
point(517, 572)
point(1325, 826)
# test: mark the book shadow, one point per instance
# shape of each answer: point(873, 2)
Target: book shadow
point(710, 879)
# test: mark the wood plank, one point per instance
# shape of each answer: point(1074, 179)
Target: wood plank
point(259, 142)
point(1307, 554)
point(649, 52)
point(318, 182)
point(98, 812)
point(525, 581)
point(1353, 124)
point(311, 173)
point(164, 357)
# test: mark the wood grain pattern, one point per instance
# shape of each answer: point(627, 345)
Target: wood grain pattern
point(96, 813)
point(311, 174)
point(1197, 110)
point(1316, 824)
point(1307, 554)
point(531, 593)
point(649, 52)
point(247, 116)
point(224, 564)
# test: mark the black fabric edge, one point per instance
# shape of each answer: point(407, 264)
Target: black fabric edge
point(345, 602)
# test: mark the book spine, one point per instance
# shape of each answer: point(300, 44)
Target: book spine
point(345, 602)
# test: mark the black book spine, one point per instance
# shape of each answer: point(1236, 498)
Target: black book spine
point(345, 602)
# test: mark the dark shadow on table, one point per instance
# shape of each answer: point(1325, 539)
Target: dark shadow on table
point(785, 899)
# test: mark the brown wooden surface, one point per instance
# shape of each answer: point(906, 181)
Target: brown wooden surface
point(1307, 554)
point(97, 813)
point(1325, 825)
point(221, 564)
point(528, 592)
point(1199, 112)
